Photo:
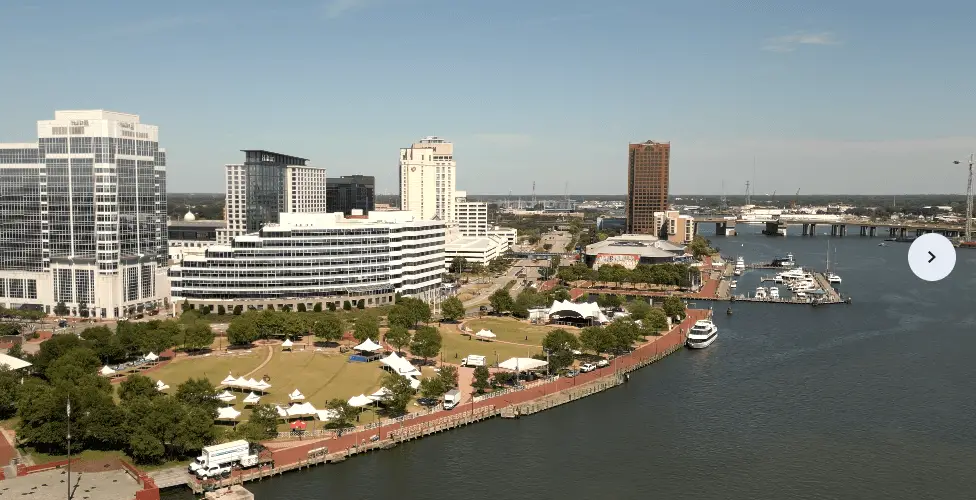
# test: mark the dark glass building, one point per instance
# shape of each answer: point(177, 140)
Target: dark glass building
point(265, 177)
point(351, 192)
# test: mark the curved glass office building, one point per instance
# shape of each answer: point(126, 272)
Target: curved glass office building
point(310, 258)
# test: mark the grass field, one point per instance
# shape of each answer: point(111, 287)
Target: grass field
point(212, 367)
point(456, 344)
point(513, 330)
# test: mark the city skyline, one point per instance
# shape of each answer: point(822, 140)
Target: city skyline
point(822, 98)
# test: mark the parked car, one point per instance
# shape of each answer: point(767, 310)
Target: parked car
point(572, 373)
point(587, 367)
point(602, 363)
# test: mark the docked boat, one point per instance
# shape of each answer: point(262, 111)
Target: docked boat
point(833, 279)
point(774, 292)
point(784, 261)
point(702, 334)
point(800, 296)
point(732, 285)
point(740, 266)
point(761, 293)
point(882, 244)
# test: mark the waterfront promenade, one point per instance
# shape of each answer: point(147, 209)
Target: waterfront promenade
point(294, 454)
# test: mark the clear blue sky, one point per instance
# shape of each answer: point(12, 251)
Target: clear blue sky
point(828, 96)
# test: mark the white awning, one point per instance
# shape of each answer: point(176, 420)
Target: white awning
point(400, 365)
point(485, 334)
point(522, 364)
point(368, 346)
point(282, 412)
point(228, 380)
point(301, 410)
point(151, 357)
point(360, 400)
point(227, 413)
point(296, 395)
point(252, 399)
point(261, 386)
point(587, 310)
point(380, 395)
point(12, 362)
point(286, 343)
point(242, 383)
point(226, 397)
point(106, 370)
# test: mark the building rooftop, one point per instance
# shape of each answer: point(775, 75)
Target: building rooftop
point(196, 223)
point(473, 243)
point(47, 485)
point(645, 245)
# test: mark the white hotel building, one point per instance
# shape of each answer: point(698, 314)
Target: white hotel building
point(83, 216)
point(427, 179)
point(309, 258)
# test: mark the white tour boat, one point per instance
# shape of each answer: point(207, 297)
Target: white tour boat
point(833, 279)
point(702, 334)
point(740, 266)
point(773, 292)
point(761, 293)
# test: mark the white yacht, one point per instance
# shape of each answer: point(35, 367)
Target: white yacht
point(774, 292)
point(740, 266)
point(833, 279)
point(732, 285)
point(761, 293)
point(702, 334)
point(800, 296)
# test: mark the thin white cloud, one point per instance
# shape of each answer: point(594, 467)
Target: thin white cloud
point(152, 26)
point(336, 8)
point(504, 140)
point(789, 43)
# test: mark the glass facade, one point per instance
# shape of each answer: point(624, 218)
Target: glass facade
point(351, 192)
point(265, 186)
point(20, 210)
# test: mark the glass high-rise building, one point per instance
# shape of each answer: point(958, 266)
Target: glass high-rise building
point(351, 192)
point(83, 216)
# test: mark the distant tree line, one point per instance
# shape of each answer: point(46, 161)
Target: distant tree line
point(676, 274)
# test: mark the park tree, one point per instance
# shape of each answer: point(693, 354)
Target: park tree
point(199, 393)
point(343, 413)
point(419, 311)
point(361, 304)
point(242, 330)
point(449, 376)
point(294, 326)
point(398, 336)
point(501, 301)
point(560, 345)
point(638, 309)
point(399, 395)
point(137, 386)
point(432, 387)
point(400, 315)
point(328, 327)
point(561, 294)
point(199, 336)
point(302, 308)
point(611, 301)
point(656, 320)
point(221, 310)
point(83, 309)
point(238, 309)
point(54, 348)
point(481, 379)
point(270, 324)
point(457, 265)
point(367, 327)
point(597, 339)
point(263, 423)
point(317, 308)
point(674, 307)
point(332, 306)
point(624, 333)
point(452, 309)
point(346, 306)
point(9, 382)
point(426, 343)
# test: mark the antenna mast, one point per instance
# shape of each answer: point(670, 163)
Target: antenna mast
point(534, 201)
point(748, 198)
point(724, 201)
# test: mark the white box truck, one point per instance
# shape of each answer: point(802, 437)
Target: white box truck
point(452, 399)
point(220, 455)
point(473, 360)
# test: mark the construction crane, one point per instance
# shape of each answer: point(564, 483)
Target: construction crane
point(794, 198)
point(773, 197)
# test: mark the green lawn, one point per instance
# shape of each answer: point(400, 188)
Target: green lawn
point(456, 346)
point(213, 367)
point(513, 330)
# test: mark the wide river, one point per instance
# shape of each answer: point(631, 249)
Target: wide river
point(869, 400)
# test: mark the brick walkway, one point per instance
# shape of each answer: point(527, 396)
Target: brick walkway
point(7, 451)
point(284, 456)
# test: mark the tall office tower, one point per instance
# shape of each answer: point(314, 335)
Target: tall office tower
point(266, 185)
point(427, 180)
point(83, 216)
point(351, 192)
point(471, 217)
point(648, 170)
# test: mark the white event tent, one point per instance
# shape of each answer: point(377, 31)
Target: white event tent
point(368, 346)
point(324, 415)
point(485, 334)
point(227, 413)
point(151, 357)
point(286, 344)
point(360, 401)
point(522, 364)
point(226, 396)
point(587, 310)
point(282, 412)
point(380, 395)
point(106, 371)
point(301, 410)
point(228, 380)
point(161, 386)
point(400, 365)
point(296, 395)
point(261, 385)
point(12, 363)
point(252, 399)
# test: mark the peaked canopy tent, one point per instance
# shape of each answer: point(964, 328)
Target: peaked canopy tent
point(360, 401)
point(106, 371)
point(486, 335)
point(227, 413)
point(226, 396)
point(325, 415)
point(161, 386)
point(287, 344)
point(368, 346)
point(261, 386)
point(12, 363)
point(296, 395)
point(588, 312)
point(301, 410)
point(522, 364)
point(228, 380)
point(400, 366)
point(380, 395)
point(252, 399)
point(151, 357)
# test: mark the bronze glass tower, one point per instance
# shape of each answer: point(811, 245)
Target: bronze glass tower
point(648, 169)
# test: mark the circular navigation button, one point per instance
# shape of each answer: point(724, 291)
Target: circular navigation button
point(932, 257)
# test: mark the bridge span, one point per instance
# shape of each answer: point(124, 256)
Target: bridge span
point(780, 227)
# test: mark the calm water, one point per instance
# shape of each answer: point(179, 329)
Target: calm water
point(871, 400)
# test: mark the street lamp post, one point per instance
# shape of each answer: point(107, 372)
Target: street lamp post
point(969, 199)
point(68, 411)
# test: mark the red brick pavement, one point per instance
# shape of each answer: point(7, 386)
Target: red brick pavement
point(674, 337)
point(7, 452)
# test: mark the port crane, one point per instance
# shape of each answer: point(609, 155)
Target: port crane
point(794, 198)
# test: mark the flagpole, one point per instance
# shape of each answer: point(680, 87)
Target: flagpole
point(68, 408)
